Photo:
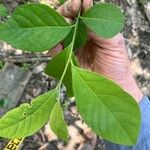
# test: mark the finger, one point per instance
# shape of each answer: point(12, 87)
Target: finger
point(54, 51)
point(70, 8)
point(87, 4)
point(116, 41)
point(85, 56)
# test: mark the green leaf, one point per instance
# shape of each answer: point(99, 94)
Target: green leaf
point(57, 122)
point(55, 68)
point(34, 27)
point(68, 39)
point(104, 19)
point(81, 36)
point(75, 61)
point(28, 118)
point(3, 11)
point(62, 1)
point(106, 107)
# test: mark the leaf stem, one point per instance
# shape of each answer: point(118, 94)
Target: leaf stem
point(70, 53)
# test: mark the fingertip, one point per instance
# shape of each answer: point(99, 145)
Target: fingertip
point(70, 8)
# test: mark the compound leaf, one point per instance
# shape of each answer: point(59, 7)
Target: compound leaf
point(34, 27)
point(106, 107)
point(104, 19)
point(56, 66)
point(3, 11)
point(28, 118)
point(57, 122)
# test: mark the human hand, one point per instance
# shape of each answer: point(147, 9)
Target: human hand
point(105, 56)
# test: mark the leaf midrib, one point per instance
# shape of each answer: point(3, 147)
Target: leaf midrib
point(57, 27)
point(104, 20)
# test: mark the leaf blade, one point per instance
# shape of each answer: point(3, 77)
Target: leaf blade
point(81, 36)
point(3, 11)
point(38, 15)
point(104, 19)
point(56, 66)
point(106, 110)
point(62, 1)
point(34, 27)
point(23, 38)
point(27, 119)
point(57, 122)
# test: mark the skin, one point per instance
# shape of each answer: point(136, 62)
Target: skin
point(105, 56)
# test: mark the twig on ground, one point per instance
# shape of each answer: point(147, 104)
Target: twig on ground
point(44, 146)
point(22, 59)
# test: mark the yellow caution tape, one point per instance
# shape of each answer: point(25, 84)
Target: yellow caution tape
point(14, 144)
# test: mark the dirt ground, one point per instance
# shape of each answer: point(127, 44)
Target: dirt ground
point(137, 37)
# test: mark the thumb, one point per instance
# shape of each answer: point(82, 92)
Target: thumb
point(70, 8)
point(87, 4)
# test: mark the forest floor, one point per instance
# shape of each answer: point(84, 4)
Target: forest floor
point(29, 68)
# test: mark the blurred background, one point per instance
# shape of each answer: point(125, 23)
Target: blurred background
point(22, 77)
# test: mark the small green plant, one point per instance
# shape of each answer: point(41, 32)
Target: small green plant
point(106, 108)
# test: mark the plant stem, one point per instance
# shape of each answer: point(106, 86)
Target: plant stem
point(70, 53)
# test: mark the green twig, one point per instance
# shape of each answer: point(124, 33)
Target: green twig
point(70, 53)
